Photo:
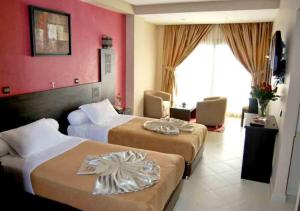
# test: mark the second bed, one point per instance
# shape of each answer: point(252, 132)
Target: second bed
point(128, 130)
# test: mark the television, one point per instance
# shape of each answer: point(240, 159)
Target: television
point(277, 62)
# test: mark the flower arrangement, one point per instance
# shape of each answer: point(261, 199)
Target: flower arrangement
point(264, 93)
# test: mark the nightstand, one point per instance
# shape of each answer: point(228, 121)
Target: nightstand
point(122, 110)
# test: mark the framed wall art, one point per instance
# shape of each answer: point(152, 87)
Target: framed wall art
point(50, 32)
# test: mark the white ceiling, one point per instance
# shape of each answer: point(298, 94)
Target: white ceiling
point(148, 2)
point(238, 16)
point(229, 14)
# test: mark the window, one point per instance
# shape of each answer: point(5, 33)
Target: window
point(212, 70)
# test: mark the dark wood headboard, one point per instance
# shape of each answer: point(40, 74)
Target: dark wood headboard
point(22, 109)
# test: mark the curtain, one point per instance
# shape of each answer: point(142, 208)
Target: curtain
point(250, 44)
point(211, 69)
point(179, 42)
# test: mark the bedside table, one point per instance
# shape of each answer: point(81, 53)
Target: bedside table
point(122, 110)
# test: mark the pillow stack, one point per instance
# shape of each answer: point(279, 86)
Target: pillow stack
point(97, 113)
point(33, 138)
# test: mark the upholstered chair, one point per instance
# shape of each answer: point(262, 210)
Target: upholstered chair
point(156, 104)
point(211, 111)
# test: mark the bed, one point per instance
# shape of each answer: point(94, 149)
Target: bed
point(53, 181)
point(127, 130)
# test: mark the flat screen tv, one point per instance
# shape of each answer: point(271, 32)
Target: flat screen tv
point(277, 63)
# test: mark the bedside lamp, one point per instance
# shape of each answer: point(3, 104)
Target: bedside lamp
point(106, 41)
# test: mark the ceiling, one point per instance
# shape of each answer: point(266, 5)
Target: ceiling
point(238, 16)
point(148, 2)
point(165, 12)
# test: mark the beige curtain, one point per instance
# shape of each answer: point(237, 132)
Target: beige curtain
point(250, 44)
point(179, 42)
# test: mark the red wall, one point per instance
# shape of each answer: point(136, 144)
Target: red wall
point(24, 73)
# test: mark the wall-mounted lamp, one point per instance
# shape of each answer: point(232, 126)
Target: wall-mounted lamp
point(106, 41)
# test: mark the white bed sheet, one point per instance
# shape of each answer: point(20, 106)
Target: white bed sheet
point(24, 167)
point(98, 132)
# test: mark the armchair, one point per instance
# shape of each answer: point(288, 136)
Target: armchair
point(156, 104)
point(211, 111)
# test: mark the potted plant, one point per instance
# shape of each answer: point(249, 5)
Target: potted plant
point(264, 93)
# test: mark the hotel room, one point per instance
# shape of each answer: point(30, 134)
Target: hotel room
point(150, 104)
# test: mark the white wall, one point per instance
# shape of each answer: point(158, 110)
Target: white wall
point(144, 62)
point(113, 5)
point(159, 56)
point(289, 102)
point(294, 174)
point(141, 62)
point(130, 61)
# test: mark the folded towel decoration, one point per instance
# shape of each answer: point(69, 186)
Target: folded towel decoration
point(120, 172)
point(168, 126)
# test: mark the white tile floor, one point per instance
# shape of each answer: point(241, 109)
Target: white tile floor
point(215, 185)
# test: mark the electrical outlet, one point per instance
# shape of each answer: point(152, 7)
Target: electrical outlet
point(6, 90)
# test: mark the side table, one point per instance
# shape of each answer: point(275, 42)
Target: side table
point(258, 150)
point(183, 113)
point(122, 110)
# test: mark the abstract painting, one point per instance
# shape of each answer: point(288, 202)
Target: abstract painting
point(50, 32)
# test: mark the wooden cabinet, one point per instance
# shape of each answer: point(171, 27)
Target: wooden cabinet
point(258, 151)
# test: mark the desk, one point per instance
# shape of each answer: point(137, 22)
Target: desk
point(258, 151)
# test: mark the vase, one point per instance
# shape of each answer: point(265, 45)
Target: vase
point(262, 106)
point(253, 107)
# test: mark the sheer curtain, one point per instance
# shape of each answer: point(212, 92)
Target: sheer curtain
point(212, 70)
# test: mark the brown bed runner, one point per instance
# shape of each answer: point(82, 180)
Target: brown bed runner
point(56, 179)
point(133, 134)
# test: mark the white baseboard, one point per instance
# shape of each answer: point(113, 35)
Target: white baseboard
point(291, 198)
point(279, 197)
point(282, 198)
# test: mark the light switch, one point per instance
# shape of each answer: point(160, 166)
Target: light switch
point(6, 90)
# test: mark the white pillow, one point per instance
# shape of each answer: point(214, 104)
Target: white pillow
point(32, 138)
point(78, 117)
point(99, 112)
point(52, 122)
point(4, 148)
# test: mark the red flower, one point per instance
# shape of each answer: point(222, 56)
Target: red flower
point(264, 92)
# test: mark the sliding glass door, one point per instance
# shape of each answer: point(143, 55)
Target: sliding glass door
point(212, 70)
